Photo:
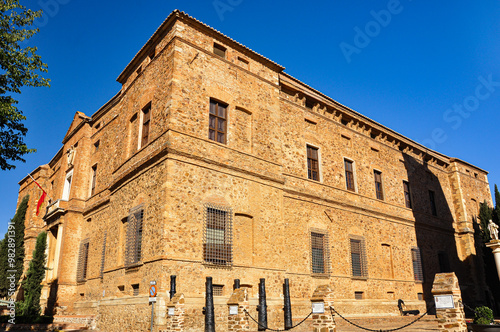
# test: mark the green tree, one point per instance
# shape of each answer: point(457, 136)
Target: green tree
point(32, 285)
point(20, 66)
point(3, 268)
point(496, 210)
point(485, 213)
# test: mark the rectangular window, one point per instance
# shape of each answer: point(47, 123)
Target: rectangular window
point(319, 253)
point(406, 188)
point(312, 163)
point(358, 295)
point(358, 257)
point(146, 120)
point(217, 246)
point(217, 290)
point(103, 254)
point(432, 200)
point(444, 263)
point(416, 258)
point(378, 184)
point(83, 257)
point(217, 122)
point(133, 246)
point(220, 50)
point(135, 289)
point(349, 174)
point(67, 186)
point(94, 176)
point(96, 145)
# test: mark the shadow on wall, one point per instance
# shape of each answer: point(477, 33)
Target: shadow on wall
point(436, 236)
point(52, 299)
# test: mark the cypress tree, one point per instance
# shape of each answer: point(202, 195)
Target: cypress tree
point(32, 285)
point(18, 221)
point(485, 214)
point(496, 210)
point(3, 268)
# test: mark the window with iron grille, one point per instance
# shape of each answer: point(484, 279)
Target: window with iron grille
point(406, 188)
point(312, 163)
point(94, 177)
point(217, 241)
point(217, 290)
point(133, 246)
point(378, 184)
point(444, 263)
point(349, 174)
point(83, 257)
point(135, 289)
point(103, 254)
point(146, 120)
point(217, 122)
point(417, 264)
point(432, 200)
point(358, 257)
point(319, 253)
point(358, 295)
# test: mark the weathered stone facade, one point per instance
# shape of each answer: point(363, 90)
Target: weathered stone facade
point(116, 170)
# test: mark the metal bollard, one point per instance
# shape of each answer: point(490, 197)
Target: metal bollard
point(262, 307)
point(172, 286)
point(287, 305)
point(236, 284)
point(208, 310)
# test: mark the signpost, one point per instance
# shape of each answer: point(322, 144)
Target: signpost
point(152, 300)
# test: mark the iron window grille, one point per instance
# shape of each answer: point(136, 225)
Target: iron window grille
point(83, 257)
point(218, 238)
point(133, 247)
point(417, 264)
point(218, 290)
point(358, 257)
point(406, 188)
point(217, 122)
point(320, 258)
point(432, 200)
point(312, 163)
point(349, 174)
point(103, 254)
point(378, 185)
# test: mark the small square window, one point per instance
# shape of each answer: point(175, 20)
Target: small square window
point(218, 290)
point(135, 289)
point(96, 145)
point(220, 50)
point(358, 295)
point(420, 296)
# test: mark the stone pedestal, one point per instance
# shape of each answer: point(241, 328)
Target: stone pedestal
point(175, 314)
point(495, 246)
point(450, 319)
point(237, 319)
point(323, 322)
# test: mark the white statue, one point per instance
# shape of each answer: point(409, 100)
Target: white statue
point(71, 155)
point(493, 228)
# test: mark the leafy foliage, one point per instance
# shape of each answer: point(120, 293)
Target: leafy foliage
point(496, 210)
point(18, 222)
point(20, 66)
point(483, 315)
point(485, 213)
point(32, 285)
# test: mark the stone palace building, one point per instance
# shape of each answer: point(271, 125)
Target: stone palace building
point(212, 161)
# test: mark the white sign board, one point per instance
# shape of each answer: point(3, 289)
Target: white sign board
point(152, 299)
point(171, 311)
point(233, 309)
point(318, 307)
point(152, 282)
point(444, 301)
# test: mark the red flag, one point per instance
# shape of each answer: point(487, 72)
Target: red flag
point(40, 201)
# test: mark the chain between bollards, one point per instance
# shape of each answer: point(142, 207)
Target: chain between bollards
point(267, 328)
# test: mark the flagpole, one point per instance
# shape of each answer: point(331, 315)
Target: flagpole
point(50, 198)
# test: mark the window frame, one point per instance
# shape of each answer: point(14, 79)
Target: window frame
point(145, 126)
point(407, 194)
point(350, 175)
point(311, 161)
point(133, 237)
point(216, 118)
point(217, 245)
point(67, 186)
point(220, 50)
point(363, 268)
point(432, 201)
point(325, 254)
point(93, 180)
point(379, 189)
point(83, 259)
point(416, 258)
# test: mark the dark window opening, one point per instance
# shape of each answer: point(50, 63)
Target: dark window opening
point(444, 263)
point(146, 120)
point(416, 258)
point(349, 174)
point(133, 247)
point(217, 122)
point(83, 257)
point(378, 185)
point(312, 163)
point(432, 201)
point(406, 189)
point(358, 258)
point(94, 176)
point(220, 50)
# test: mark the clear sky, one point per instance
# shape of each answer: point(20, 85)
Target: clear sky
point(428, 69)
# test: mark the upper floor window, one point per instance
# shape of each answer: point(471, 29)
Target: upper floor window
point(378, 184)
point(349, 174)
point(217, 122)
point(67, 186)
point(417, 264)
point(432, 200)
point(406, 189)
point(133, 246)
point(319, 253)
point(358, 257)
point(94, 176)
point(146, 120)
point(312, 163)
point(220, 50)
point(217, 242)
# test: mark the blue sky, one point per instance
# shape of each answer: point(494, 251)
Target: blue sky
point(429, 70)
